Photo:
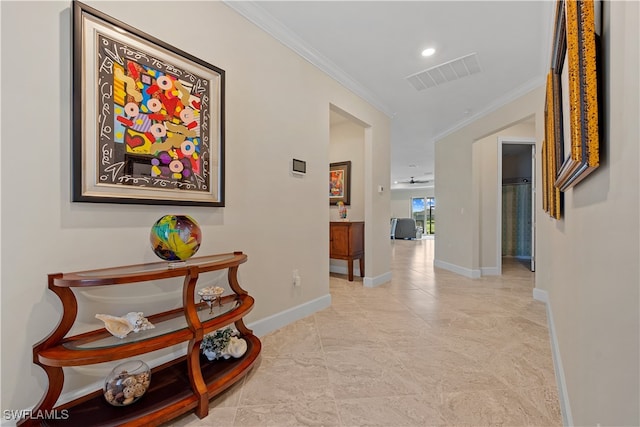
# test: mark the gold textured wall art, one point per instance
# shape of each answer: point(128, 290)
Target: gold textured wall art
point(575, 82)
point(554, 197)
point(545, 178)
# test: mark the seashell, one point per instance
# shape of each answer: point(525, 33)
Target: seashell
point(143, 377)
point(236, 347)
point(211, 355)
point(129, 381)
point(138, 322)
point(121, 326)
point(128, 392)
point(138, 390)
point(109, 396)
point(128, 400)
point(117, 326)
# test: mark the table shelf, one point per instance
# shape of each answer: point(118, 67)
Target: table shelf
point(170, 387)
point(181, 385)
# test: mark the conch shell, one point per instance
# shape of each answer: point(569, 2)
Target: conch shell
point(121, 326)
point(236, 348)
point(138, 321)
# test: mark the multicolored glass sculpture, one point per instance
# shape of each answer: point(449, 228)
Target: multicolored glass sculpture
point(175, 237)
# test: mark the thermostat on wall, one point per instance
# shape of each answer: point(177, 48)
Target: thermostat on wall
point(299, 167)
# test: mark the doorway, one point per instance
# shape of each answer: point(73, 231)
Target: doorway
point(347, 143)
point(516, 200)
point(423, 211)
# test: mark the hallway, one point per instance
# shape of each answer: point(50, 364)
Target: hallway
point(430, 348)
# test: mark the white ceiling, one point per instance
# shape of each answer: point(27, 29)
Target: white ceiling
point(372, 46)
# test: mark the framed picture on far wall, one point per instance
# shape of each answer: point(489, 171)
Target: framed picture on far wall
point(148, 118)
point(340, 183)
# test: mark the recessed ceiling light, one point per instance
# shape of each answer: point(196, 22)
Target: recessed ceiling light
point(428, 52)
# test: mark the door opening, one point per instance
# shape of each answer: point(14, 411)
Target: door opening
point(516, 201)
point(423, 211)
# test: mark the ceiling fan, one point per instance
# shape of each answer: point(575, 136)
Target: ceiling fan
point(416, 181)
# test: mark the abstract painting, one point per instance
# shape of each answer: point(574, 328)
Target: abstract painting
point(340, 183)
point(148, 118)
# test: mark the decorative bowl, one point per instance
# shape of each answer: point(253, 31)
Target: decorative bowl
point(127, 382)
point(210, 295)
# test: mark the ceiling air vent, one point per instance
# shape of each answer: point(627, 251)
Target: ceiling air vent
point(446, 72)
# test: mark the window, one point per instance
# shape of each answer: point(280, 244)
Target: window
point(423, 211)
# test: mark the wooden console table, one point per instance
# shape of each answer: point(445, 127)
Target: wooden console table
point(184, 384)
point(347, 242)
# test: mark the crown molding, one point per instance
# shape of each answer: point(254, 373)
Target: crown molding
point(527, 87)
point(548, 19)
point(259, 17)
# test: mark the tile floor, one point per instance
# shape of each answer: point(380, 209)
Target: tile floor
point(430, 348)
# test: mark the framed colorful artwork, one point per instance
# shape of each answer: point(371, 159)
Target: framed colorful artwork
point(148, 118)
point(340, 183)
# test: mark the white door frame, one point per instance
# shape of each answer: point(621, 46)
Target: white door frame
point(524, 141)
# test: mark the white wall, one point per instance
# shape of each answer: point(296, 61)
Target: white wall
point(588, 261)
point(277, 108)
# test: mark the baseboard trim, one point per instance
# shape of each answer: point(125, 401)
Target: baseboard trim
point(372, 282)
point(541, 295)
point(490, 271)
point(278, 320)
point(343, 269)
point(563, 394)
point(463, 271)
point(260, 328)
point(367, 282)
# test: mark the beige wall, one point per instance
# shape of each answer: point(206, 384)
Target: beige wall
point(485, 166)
point(588, 261)
point(347, 144)
point(277, 108)
point(460, 183)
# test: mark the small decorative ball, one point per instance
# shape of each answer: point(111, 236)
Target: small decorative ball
point(175, 237)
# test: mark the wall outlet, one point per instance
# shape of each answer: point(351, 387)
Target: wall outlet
point(297, 280)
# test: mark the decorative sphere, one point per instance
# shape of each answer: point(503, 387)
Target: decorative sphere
point(175, 237)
